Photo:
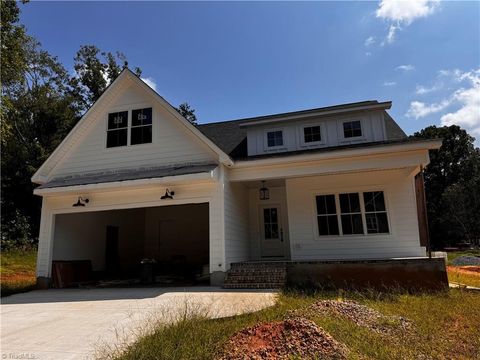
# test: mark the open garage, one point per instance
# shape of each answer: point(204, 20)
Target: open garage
point(110, 246)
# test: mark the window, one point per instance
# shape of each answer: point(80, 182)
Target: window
point(270, 221)
point(312, 134)
point(352, 129)
point(353, 217)
point(351, 214)
point(141, 132)
point(327, 215)
point(117, 130)
point(275, 138)
point(375, 212)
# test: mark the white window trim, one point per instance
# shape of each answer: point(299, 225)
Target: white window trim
point(342, 137)
point(323, 135)
point(341, 236)
point(129, 108)
point(273, 148)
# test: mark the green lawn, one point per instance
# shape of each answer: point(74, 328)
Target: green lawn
point(445, 327)
point(17, 271)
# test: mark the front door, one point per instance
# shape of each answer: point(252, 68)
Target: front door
point(271, 232)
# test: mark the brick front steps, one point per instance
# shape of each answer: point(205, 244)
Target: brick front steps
point(256, 275)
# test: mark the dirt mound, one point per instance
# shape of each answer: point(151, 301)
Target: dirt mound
point(359, 314)
point(283, 340)
point(467, 270)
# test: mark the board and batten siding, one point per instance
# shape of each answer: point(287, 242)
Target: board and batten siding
point(399, 190)
point(237, 242)
point(373, 129)
point(171, 143)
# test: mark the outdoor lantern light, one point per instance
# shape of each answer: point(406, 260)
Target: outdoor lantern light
point(168, 194)
point(81, 202)
point(264, 192)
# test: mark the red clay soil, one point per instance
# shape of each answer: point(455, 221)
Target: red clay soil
point(283, 340)
point(467, 270)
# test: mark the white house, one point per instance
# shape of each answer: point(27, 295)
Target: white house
point(135, 180)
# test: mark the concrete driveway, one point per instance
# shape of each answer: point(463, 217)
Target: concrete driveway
point(80, 323)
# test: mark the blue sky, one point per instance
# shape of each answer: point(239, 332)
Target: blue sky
point(233, 60)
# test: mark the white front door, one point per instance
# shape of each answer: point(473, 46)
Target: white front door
point(271, 231)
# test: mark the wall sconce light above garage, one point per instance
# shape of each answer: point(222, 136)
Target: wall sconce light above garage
point(168, 194)
point(81, 202)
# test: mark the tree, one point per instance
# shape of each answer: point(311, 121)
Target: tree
point(95, 70)
point(187, 112)
point(452, 175)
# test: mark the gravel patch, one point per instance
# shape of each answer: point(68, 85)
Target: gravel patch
point(283, 340)
point(466, 260)
point(359, 314)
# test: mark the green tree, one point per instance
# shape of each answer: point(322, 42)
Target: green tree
point(95, 70)
point(187, 112)
point(450, 176)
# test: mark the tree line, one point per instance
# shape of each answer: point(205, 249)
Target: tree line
point(41, 102)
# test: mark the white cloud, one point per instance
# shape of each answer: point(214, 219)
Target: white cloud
point(468, 115)
point(400, 13)
point(419, 109)
point(466, 99)
point(405, 68)
point(150, 82)
point(368, 53)
point(389, 83)
point(370, 41)
point(422, 90)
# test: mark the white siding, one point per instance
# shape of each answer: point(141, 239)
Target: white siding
point(373, 129)
point(237, 244)
point(403, 240)
point(171, 143)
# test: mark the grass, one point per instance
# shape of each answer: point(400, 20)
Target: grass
point(17, 271)
point(446, 326)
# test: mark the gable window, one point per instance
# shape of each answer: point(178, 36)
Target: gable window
point(312, 134)
point(141, 131)
point(275, 138)
point(352, 129)
point(375, 212)
point(327, 215)
point(354, 218)
point(117, 130)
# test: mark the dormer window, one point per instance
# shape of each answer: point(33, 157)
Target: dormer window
point(352, 129)
point(141, 132)
point(275, 138)
point(117, 131)
point(312, 134)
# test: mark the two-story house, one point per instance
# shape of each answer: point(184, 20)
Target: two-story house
point(136, 180)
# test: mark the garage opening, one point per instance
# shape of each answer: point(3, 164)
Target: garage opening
point(155, 245)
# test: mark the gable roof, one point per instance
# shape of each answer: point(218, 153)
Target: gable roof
point(231, 136)
point(41, 175)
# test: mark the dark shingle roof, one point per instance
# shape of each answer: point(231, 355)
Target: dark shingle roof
point(128, 174)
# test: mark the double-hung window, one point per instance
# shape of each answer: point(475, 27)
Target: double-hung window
point(312, 134)
point(352, 129)
point(117, 129)
point(327, 215)
point(141, 132)
point(375, 212)
point(352, 213)
point(275, 138)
